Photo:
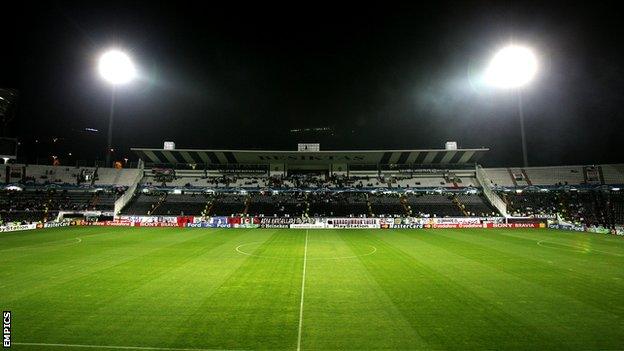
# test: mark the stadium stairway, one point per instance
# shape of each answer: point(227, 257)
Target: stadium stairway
point(601, 175)
point(208, 207)
point(406, 208)
point(94, 200)
point(162, 199)
point(127, 196)
point(91, 181)
point(488, 192)
point(459, 205)
point(513, 179)
point(117, 177)
point(247, 203)
point(47, 207)
point(306, 212)
point(526, 177)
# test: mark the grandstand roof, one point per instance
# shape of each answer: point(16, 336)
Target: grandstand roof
point(424, 157)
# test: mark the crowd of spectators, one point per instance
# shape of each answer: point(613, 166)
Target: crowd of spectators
point(294, 181)
point(279, 204)
point(39, 204)
point(588, 207)
point(320, 203)
point(63, 176)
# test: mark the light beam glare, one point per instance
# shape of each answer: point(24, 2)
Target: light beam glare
point(116, 67)
point(512, 67)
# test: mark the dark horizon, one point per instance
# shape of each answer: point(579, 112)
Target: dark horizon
point(240, 77)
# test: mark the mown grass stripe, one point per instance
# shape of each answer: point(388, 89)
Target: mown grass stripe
point(115, 347)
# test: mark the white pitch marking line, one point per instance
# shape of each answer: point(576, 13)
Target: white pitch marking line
point(115, 347)
point(575, 248)
point(305, 261)
point(46, 245)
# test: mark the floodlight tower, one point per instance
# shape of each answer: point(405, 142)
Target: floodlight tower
point(513, 67)
point(116, 68)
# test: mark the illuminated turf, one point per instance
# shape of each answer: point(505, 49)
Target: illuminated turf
point(364, 289)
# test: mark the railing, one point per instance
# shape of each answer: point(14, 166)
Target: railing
point(127, 196)
point(494, 199)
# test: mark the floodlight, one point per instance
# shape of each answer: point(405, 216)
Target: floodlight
point(512, 67)
point(116, 67)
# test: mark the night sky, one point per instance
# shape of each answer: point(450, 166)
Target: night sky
point(370, 77)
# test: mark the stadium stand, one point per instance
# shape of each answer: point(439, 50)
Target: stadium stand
point(69, 176)
point(475, 205)
point(370, 181)
point(590, 207)
point(433, 205)
point(587, 194)
point(181, 204)
point(557, 176)
point(338, 204)
point(227, 205)
point(387, 205)
point(277, 204)
point(144, 204)
point(39, 205)
point(40, 192)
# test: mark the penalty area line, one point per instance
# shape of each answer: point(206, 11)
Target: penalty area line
point(113, 347)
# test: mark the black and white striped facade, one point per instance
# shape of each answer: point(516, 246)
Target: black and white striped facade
point(360, 157)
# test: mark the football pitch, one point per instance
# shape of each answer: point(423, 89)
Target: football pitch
point(113, 288)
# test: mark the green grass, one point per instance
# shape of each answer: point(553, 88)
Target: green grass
point(364, 289)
